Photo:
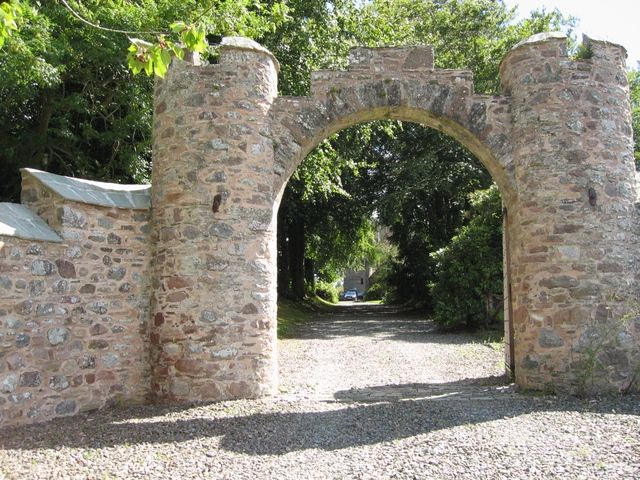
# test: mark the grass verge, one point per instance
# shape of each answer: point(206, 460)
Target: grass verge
point(292, 312)
point(492, 338)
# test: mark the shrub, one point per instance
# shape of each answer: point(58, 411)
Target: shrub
point(327, 291)
point(468, 288)
point(375, 292)
point(382, 285)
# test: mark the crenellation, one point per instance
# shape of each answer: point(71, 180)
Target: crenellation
point(390, 59)
point(605, 52)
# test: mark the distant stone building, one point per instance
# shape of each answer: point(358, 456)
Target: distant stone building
point(361, 279)
point(358, 279)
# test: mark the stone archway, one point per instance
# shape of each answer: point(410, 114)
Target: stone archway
point(398, 84)
point(558, 143)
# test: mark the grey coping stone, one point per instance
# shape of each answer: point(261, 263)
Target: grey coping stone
point(244, 43)
point(18, 221)
point(95, 193)
point(588, 39)
point(540, 37)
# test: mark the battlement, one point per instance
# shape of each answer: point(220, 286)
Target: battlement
point(544, 58)
point(244, 69)
point(324, 82)
point(391, 59)
point(602, 50)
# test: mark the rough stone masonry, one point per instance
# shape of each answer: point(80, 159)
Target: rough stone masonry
point(104, 298)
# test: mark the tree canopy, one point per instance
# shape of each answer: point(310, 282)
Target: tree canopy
point(68, 102)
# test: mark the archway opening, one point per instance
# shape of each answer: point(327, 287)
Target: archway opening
point(401, 225)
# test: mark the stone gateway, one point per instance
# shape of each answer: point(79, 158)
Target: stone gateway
point(131, 293)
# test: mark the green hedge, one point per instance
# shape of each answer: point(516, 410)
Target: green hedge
point(375, 292)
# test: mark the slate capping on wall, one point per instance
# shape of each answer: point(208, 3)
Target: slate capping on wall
point(137, 197)
point(19, 221)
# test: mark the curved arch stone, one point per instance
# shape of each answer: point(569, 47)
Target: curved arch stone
point(441, 99)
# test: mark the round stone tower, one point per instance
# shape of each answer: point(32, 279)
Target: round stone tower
point(573, 231)
point(213, 308)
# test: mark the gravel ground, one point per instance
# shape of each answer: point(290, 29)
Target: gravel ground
point(366, 394)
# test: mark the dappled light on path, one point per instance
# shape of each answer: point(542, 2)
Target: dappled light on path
point(382, 353)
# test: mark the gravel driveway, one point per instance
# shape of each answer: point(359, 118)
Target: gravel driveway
point(365, 393)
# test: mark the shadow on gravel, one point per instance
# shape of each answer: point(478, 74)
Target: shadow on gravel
point(280, 433)
point(478, 388)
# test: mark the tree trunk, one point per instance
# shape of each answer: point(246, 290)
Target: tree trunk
point(284, 279)
point(35, 149)
point(309, 274)
point(296, 257)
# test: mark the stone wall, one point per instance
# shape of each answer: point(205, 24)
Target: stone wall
point(73, 313)
point(557, 143)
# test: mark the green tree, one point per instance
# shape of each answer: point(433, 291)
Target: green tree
point(321, 229)
point(469, 34)
point(418, 181)
point(68, 103)
point(10, 16)
point(314, 38)
point(324, 224)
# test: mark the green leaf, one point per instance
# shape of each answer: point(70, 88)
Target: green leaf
point(160, 69)
point(165, 57)
point(148, 67)
point(177, 51)
point(10, 13)
point(189, 38)
point(161, 61)
point(178, 27)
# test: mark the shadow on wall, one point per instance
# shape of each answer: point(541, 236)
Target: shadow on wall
point(280, 433)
